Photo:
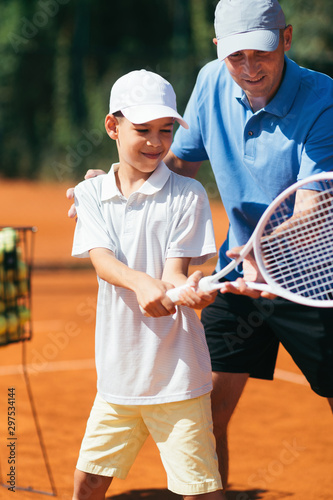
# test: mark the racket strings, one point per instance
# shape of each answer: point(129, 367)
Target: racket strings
point(297, 248)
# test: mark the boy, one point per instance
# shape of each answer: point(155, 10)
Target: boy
point(141, 225)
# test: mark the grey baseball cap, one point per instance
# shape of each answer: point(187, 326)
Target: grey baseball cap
point(247, 25)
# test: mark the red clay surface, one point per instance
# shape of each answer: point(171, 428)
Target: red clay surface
point(281, 440)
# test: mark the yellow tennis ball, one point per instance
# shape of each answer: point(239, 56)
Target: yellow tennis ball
point(9, 238)
point(23, 314)
point(22, 270)
point(3, 324)
point(10, 291)
point(12, 323)
point(2, 273)
point(23, 287)
point(10, 275)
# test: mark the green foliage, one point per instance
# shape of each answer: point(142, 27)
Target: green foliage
point(59, 59)
point(313, 33)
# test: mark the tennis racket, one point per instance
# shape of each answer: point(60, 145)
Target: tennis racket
point(292, 245)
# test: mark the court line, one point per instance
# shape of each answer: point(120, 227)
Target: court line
point(295, 378)
point(51, 366)
point(89, 364)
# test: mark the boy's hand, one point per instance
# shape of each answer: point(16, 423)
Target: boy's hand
point(194, 297)
point(151, 295)
point(70, 192)
point(251, 273)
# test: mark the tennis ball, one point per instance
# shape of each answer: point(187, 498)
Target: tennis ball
point(22, 270)
point(10, 291)
point(10, 274)
point(8, 238)
point(23, 314)
point(3, 329)
point(3, 324)
point(23, 287)
point(12, 323)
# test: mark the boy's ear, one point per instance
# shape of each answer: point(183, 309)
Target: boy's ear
point(111, 126)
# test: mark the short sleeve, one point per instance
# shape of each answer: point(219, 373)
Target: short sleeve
point(317, 154)
point(91, 230)
point(188, 143)
point(192, 233)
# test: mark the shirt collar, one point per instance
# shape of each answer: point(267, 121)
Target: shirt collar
point(152, 185)
point(283, 100)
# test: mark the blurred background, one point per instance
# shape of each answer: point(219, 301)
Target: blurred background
point(59, 59)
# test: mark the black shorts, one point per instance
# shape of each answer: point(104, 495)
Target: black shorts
point(243, 336)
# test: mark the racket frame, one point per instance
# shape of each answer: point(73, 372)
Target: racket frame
point(210, 283)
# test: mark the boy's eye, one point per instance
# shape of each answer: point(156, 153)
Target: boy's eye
point(235, 55)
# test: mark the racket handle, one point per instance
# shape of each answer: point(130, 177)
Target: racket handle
point(173, 294)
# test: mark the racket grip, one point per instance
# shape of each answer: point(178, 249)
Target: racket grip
point(174, 293)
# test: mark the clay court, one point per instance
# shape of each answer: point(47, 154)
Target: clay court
point(281, 440)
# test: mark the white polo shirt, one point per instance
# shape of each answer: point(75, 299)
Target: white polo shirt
point(142, 360)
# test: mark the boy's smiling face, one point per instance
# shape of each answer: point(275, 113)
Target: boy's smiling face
point(141, 147)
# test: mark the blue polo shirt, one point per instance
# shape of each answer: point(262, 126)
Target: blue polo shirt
point(255, 156)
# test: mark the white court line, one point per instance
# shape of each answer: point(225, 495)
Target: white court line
point(295, 378)
point(49, 366)
point(89, 364)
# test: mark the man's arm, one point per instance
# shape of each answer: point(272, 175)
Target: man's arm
point(182, 167)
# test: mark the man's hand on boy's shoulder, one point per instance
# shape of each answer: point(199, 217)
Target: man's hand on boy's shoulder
point(70, 192)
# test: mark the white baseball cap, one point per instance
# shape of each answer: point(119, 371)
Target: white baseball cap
point(143, 96)
point(247, 25)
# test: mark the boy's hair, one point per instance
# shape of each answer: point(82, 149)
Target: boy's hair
point(118, 114)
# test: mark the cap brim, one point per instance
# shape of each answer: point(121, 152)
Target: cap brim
point(264, 40)
point(146, 113)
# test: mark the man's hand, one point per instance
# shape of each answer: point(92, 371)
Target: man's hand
point(70, 192)
point(251, 273)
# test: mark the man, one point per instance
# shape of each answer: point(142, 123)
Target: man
point(263, 123)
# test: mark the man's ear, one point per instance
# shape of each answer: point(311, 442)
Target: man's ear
point(215, 41)
point(111, 126)
point(288, 35)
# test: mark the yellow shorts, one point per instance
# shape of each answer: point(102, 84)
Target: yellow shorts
point(183, 432)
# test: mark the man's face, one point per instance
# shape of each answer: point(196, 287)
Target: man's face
point(259, 73)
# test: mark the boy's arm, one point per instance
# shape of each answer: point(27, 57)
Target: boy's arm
point(150, 292)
